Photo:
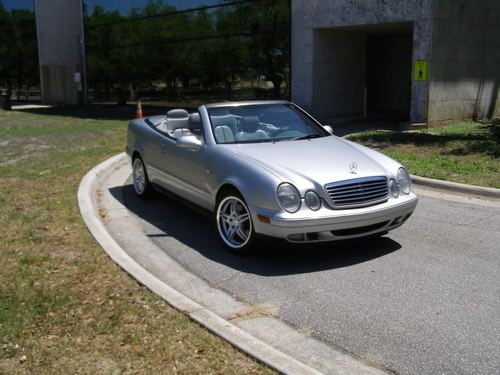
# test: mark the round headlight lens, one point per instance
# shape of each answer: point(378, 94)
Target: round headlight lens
point(288, 197)
point(404, 181)
point(312, 200)
point(394, 188)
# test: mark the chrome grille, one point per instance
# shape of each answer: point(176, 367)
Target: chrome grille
point(358, 192)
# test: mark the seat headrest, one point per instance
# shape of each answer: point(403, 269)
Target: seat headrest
point(178, 113)
point(249, 124)
point(194, 118)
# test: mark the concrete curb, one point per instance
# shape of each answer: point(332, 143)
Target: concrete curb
point(455, 187)
point(221, 327)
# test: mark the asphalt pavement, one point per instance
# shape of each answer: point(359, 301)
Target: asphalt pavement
point(424, 299)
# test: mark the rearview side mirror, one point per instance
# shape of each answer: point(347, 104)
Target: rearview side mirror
point(328, 128)
point(189, 142)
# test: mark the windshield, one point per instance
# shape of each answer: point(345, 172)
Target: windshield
point(262, 123)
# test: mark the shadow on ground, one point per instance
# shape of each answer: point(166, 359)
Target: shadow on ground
point(194, 229)
point(484, 142)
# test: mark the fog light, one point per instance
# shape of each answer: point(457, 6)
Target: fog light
point(397, 220)
point(296, 237)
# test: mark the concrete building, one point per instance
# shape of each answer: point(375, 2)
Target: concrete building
point(425, 61)
point(60, 50)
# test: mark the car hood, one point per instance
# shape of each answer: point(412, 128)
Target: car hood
point(320, 160)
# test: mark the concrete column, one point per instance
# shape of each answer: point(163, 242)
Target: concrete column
point(302, 67)
point(422, 49)
point(465, 70)
point(60, 49)
point(339, 77)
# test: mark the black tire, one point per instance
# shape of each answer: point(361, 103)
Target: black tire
point(140, 179)
point(239, 244)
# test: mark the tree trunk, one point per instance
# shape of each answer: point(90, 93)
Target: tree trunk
point(121, 100)
point(7, 103)
point(277, 81)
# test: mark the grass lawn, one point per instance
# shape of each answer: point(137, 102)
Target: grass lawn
point(65, 307)
point(467, 152)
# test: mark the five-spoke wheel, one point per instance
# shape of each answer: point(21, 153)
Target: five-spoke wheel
point(234, 223)
point(142, 186)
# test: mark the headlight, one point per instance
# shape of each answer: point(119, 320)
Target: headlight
point(288, 197)
point(404, 181)
point(312, 200)
point(394, 188)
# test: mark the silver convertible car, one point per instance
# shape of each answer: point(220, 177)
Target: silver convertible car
point(269, 168)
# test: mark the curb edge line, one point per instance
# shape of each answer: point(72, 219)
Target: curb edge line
point(456, 187)
point(247, 343)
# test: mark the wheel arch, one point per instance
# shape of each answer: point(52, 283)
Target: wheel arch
point(225, 188)
point(135, 154)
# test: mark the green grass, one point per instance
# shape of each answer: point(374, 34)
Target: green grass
point(467, 152)
point(63, 303)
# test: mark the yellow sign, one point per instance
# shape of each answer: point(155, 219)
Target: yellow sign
point(420, 70)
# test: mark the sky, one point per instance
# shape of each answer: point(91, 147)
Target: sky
point(17, 4)
point(123, 6)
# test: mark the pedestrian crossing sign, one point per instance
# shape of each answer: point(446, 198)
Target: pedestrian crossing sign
point(420, 70)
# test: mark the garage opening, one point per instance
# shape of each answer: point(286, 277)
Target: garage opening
point(363, 73)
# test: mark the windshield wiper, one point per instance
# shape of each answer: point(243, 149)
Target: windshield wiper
point(309, 136)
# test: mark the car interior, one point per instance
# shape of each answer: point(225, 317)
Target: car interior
point(232, 128)
point(178, 123)
point(229, 127)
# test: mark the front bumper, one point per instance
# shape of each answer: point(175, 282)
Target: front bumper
point(329, 225)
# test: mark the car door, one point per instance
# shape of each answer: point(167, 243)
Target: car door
point(181, 171)
point(161, 153)
point(189, 174)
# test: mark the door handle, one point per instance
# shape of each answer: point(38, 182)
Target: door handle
point(163, 148)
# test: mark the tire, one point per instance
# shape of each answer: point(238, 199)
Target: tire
point(142, 186)
point(234, 224)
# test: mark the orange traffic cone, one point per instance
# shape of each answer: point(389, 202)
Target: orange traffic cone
point(138, 111)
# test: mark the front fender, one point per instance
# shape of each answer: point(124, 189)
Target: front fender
point(257, 185)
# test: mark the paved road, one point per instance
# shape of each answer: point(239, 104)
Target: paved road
point(423, 300)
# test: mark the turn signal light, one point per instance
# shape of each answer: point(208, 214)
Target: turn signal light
point(264, 219)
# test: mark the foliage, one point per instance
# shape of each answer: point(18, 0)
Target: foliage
point(18, 48)
point(467, 152)
point(154, 46)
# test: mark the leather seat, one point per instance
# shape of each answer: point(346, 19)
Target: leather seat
point(195, 125)
point(176, 123)
point(226, 120)
point(250, 129)
point(223, 134)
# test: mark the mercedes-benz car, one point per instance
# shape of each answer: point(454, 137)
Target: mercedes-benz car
point(267, 168)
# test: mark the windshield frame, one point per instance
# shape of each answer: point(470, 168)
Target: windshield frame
point(317, 125)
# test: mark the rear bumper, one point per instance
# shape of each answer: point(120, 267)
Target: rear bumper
point(330, 225)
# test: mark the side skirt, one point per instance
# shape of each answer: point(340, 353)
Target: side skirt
point(183, 201)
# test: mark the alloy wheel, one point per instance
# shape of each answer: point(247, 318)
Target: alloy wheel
point(139, 176)
point(233, 222)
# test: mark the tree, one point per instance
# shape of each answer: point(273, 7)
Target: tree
point(232, 51)
point(152, 44)
point(18, 49)
point(268, 22)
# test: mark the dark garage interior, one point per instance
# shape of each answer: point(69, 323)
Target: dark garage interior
point(363, 73)
point(388, 75)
